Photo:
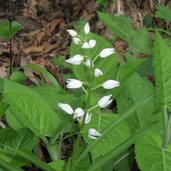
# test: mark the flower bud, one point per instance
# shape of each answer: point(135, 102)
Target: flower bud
point(110, 84)
point(75, 60)
point(73, 83)
point(98, 72)
point(89, 45)
point(78, 113)
point(73, 33)
point(106, 52)
point(66, 107)
point(87, 28)
point(76, 40)
point(105, 101)
point(93, 134)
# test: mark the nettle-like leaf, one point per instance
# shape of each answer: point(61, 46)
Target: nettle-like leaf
point(121, 26)
point(31, 109)
point(135, 89)
point(162, 68)
point(7, 31)
point(116, 136)
point(163, 13)
point(150, 155)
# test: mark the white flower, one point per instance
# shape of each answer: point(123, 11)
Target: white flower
point(78, 113)
point(98, 72)
point(66, 107)
point(89, 45)
point(73, 83)
point(87, 28)
point(75, 60)
point(110, 84)
point(88, 118)
point(105, 101)
point(89, 63)
point(76, 40)
point(93, 134)
point(73, 33)
point(106, 52)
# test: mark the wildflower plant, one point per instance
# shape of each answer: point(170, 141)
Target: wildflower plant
point(88, 85)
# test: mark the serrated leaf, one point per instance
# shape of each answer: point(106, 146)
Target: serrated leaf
point(7, 31)
point(120, 25)
point(162, 68)
point(150, 155)
point(31, 109)
point(163, 12)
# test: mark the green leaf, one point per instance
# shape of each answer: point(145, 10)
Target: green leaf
point(3, 108)
point(41, 70)
point(57, 165)
point(18, 76)
point(7, 31)
point(112, 139)
point(31, 109)
point(163, 13)
point(119, 25)
point(135, 90)
point(162, 70)
point(111, 126)
point(120, 148)
point(150, 155)
point(141, 44)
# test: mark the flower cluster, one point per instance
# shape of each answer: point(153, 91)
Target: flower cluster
point(78, 59)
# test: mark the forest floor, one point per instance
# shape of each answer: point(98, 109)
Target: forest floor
point(45, 23)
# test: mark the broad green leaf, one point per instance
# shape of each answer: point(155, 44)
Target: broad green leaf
point(3, 108)
point(119, 25)
point(7, 31)
point(135, 90)
point(18, 76)
point(31, 109)
point(150, 155)
point(141, 44)
point(162, 68)
point(120, 148)
point(57, 165)
point(31, 158)
point(112, 125)
point(163, 13)
point(41, 70)
point(112, 139)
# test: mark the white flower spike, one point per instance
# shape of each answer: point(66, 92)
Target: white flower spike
point(98, 72)
point(105, 101)
point(75, 60)
point(66, 107)
point(78, 113)
point(73, 33)
point(73, 83)
point(93, 134)
point(76, 40)
point(106, 52)
point(89, 45)
point(110, 84)
point(87, 28)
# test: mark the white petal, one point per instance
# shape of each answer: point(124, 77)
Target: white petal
point(89, 63)
point(75, 60)
point(79, 112)
point(110, 84)
point(73, 83)
point(76, 40)
point(66, 107)
point(98, 72)
point(106, 52)
point(88, 118)
point(92, 43)
point(93, 134)
point(87, 28)
point(85, 45)
point(73, 33)
point(105, 101)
